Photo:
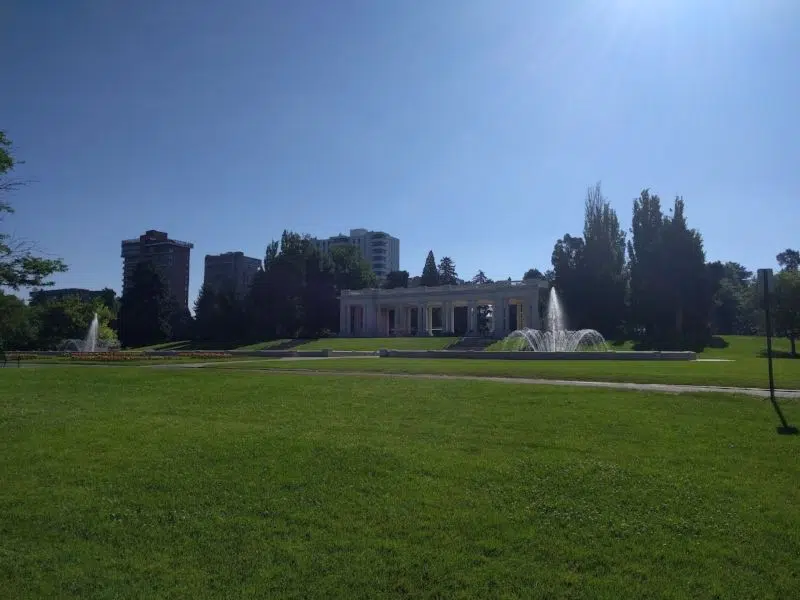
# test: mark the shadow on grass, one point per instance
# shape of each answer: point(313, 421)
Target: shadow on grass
point(715, 342)
point(190, 345)
point(289, 344)
point(779, 354)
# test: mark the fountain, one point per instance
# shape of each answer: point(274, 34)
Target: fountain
point(556, 337)
point(91, 343)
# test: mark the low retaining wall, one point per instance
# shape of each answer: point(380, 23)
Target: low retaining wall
point(632, 355)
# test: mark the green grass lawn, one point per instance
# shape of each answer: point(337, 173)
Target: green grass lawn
point(147, 483)
point(741, 373)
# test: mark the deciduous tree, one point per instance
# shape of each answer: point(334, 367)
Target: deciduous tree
point(789, 260)
point(396, 279)
point(19, 267)
point(532, 274)
point(787, 306)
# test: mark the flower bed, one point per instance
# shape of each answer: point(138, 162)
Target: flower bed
point(131, 356)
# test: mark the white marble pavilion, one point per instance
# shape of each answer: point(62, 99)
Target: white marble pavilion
point(453, 308)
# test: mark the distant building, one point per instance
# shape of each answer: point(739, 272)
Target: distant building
point(379, 249)
point(170, 258)
point(84, 295)
point(231, 270)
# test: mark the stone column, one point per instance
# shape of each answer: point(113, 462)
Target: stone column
point(500, 316)
point(368, 319)
point(344, 309)
point(421, 320)
point(428, 320)
point(399, 318)
point(472, 317)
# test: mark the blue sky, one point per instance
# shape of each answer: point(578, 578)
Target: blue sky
point(472, 128)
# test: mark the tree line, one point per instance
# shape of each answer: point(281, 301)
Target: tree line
point(652, 284)
point(655, 286)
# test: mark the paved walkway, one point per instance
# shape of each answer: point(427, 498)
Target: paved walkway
point(615, 385)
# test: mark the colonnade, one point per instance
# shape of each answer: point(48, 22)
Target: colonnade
point(411, 311)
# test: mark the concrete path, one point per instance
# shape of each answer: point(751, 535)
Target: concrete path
point(614, 385)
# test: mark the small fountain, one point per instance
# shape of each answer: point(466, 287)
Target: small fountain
point(91, 343)
point(556, 338)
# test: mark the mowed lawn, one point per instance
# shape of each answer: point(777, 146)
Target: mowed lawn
point(147, 483)
point(741, 373)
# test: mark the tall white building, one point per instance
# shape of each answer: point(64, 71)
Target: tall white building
point(379, 249)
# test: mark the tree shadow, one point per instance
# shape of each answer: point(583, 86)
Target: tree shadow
point(289, 344)
point(680, 345)
point(778, 354)
point(717, 342)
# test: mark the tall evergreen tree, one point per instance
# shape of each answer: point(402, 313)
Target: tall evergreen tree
point(430, 273)
point(603, 269)
point(672, 287)
point(646, 265)
point(447, 272)
point(480, 278)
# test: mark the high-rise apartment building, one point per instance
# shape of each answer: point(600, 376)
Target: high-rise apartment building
point(170, 258)
point(230, 270)
point(379, 249)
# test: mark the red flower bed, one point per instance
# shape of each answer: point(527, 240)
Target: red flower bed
point(129, 356)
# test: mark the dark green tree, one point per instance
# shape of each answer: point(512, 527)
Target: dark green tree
point(430, 274)
point(447, 271)
point(18, 328)
point(396, 279)
point(206, 320)
point(352, 271)
point(321, 307)
point(532, 274)
point(733, 310)
point(647, 267)
point(145, 309)
point(19, 267)
point(480, 278)
point(295, 292)
point(787, 306)
point(603, 274)
point(672, 287)
point(569, 280)
point(789, 260)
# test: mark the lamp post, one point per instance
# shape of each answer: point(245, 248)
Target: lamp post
point(766, 286)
